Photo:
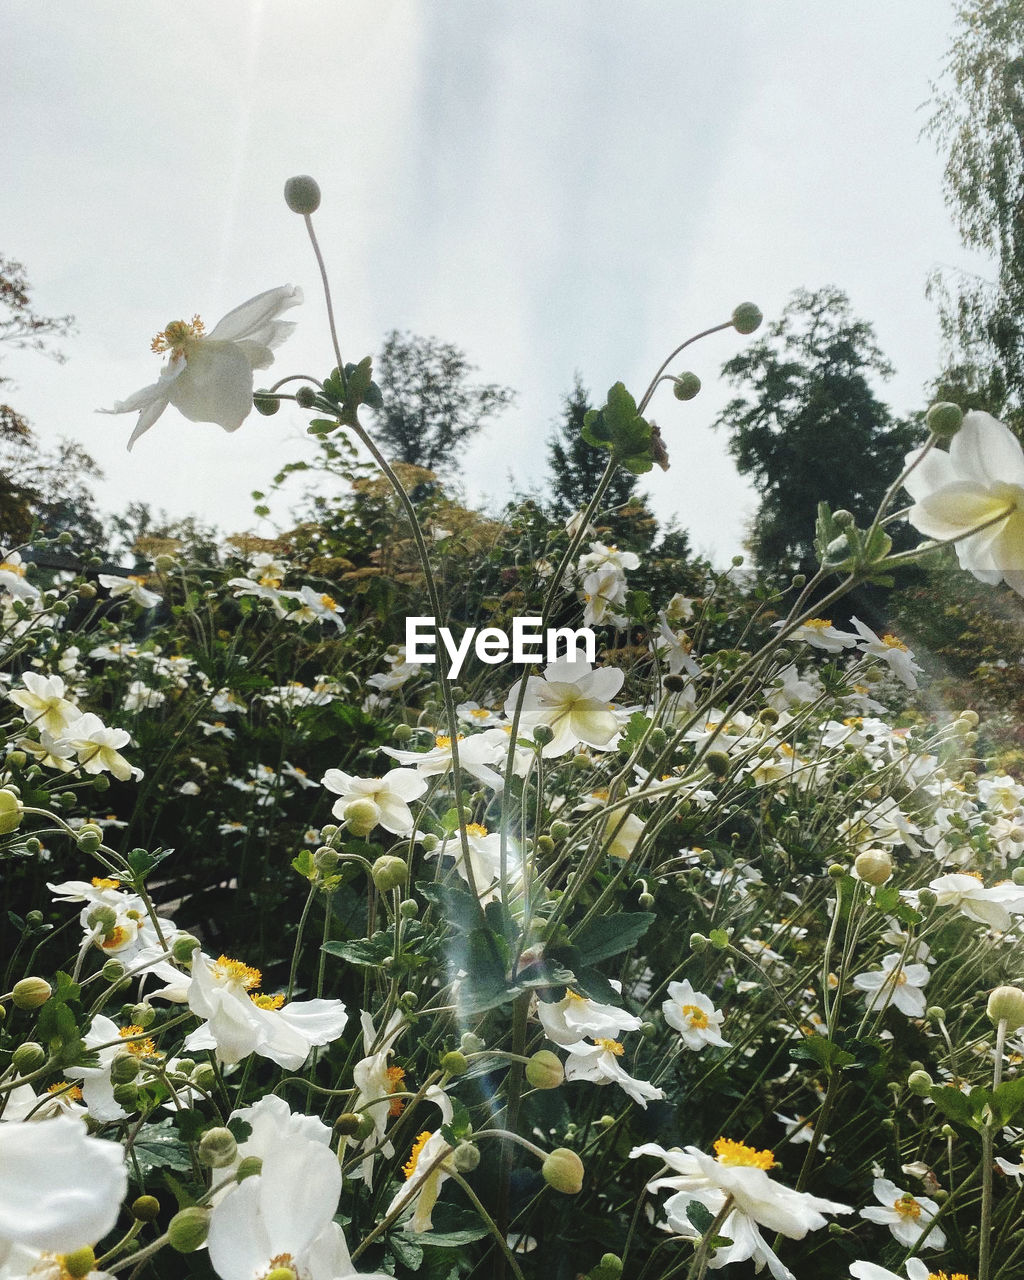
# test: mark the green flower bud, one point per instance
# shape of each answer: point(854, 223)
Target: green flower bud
point(188, 1229)
point(454, 1063)
point(34, 919)
point(545, 845)
point(844, 519)
point(249, 1167)
point(648, 1030)
point(970, 718)
point(184, 1067)
point(143, 1015)
point(674, 683)
point(305, 397)
point(348, 1123)
point(606, 1121)
point(328, 833)
point(217, 1148)
point(610, 1266)
point(89, 837)
point(204, 1076)
point(465, 1157)
point(873, 866)
point(563, 1170)
point(183, 946)
point(389, 872)
point(1006, 1004)
point(16, 759)
point(402, 733)
point(11, 811)
point(101, 782)
point(102, 917)
point(470, 1043)
point(944, 419)
point(408, 1000)
point(30, 993)
point(798, 581)
point(935, 1013)
point(113, 970)
point(768, 715)
point(80, 1263)
point(699, 942)
point(302, 194)
point(545, 1070)
point(686, 386)
point(29, 1056)
point(645, 901)
point(326, 859)
point(543, 734)
point(361, 816)
point(559, 831)
point(126, 1095)
point(145, 1209)
point(124, 1068)
point(409, 910)
point(1018, 875)
point(920, 1083)
point(430, 842)
point(266, 403)
point(581, 761)
point(927, 898)
point(746, 318)
point(717, 763)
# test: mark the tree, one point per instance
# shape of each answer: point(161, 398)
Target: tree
point(576, 466)
point(809, 428)
point(431, 409)
point(978, 119)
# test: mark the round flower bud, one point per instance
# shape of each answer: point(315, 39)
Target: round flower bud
point(402, 733)
point(563, 1170)
point(944, 419)
point(145, 1208)
point(11, 812)
point(543, 734)
point(545, 1070)
point(90, 837)
point(408, 1000)
point(361, 816)
point(326, 859)
point(1006, 1004)
point(648, 1030)
point(188, 1229)
point(305, 397)
point(699, 943)
point(581, 761)
point(409, 910)
point(29, 1056)
point(454, 1063)
point(113, 970)
point(80, 1263)
point(747, 317)
point(970, 718)
point(183, 946)
point(30, 993)
point(465, 1157)
point(266, 402)
point(302, 194)
point(545, 845)
point(1017, 875)
point(935, 1013)
point(34, 919)
point(204, 1076)
point(606, 1121)
point(927, 898)
point(328, 833)
point(844, 519)
point(471, 1043)
point(124, 1068)
point(16, 759)
point(217, 1148)
point(717, 763)
point(798, 581)
point(768, 715)
point(559, 830)
point(143, 1015)
point(920, 1083)
point(430, 842)
point(348, 1123)
point(102, 917)
point(674, 683)
point(126, 1095)
point(249, 1167)
point(836, 871)
point(101, 782)
point(873, 866)
point(645, 901)
point(686, 386)
point(389, 872)
point(610, 1266)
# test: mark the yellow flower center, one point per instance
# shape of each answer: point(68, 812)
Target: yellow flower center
point(115, 937)
point(176, 335)
point(140, 579)
point(906, 1206)
point(101, 882)
point(228, 970)
point(281, 1267)
point(475, 829)
point(819, 624)
point(144, 1048)
point(443, 741)
point(611, 1046)
point(480, 713)
point(853, 722)
point(17, 569)
point(891, 642)
point(409, 1168)
point(942, 1275)
point(67, 1091)
point(266, 1002)
point(698, 1018)
point(330, 603)
point(396, 1079)
point(734, 1154)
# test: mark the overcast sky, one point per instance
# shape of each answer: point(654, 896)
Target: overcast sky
point(554, 185)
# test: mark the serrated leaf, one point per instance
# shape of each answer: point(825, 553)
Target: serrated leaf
point(158, 1146)
point(607, 936)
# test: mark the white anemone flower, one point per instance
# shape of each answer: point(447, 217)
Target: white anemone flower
point(239, 1021)
point(905, 1215)
point(897, 983)
point(12, 577)
point(425, 1171)
point(599, 1063)
point(572, 699)
point(97, 747)
point(391, 795)
point(60, 1188)
point(131, 587)
point(967, 892)
point(576, 1017)
point(208, 376)
point(980, 481)
point(891, 650)
point(819, 633)
point(694, 1016)
point(376, 1081)
point(916, 1270)
point(43, 701)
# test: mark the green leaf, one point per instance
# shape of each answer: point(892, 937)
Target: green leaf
point(953, 1104)
point(362, 951)
point(606, 936)
point(142, 861)
point(700, 1216)
point(636, 726)
point(304, 864)
point(826, 1053)
point(406, 1251)
point(158, 1146)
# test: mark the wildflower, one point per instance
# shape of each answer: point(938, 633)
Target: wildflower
point(96, 1084)
point(599, 1063)
point(97, 747)
point(893, 652)
point(694, 1016)
point(798, 1130)
point(132, 587)
point(979, 482)
point(571, 1019)
point(991, 906)
point(425, 1170)
point(315, 606)
point(901, 984)
point(604, 592)
point(43, 701)
point(208, 376)
point(915, 1270)
point(572, 699)
point(389, 795)
point(140, 697)
point(905, 1215)
point(60, 1188)
point(819, 633)
point(12, 577)
point(376, 1081)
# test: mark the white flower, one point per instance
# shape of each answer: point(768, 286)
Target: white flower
point(968, 893)
point(916, 1270)
point(484, 860)
point(980, 481)
point(798, 1130)
point(97, 747)
point(478, 754)
point(239, 1022)
point(44, 703)
point(601, 556)
point(141, 697)
point(821, 634)
point(905, 1215)
point(376, 1080)
point(391, 795)
point(315, 606)
point(569, 1020)
point(901, 984)
point(891, 650)
point(60, 1188)
point(425, 1170)
point(572, 700)
point(132, 586)
point(208, 376)
point(599, 1063)
point(97, 1087)
point(694, 1016)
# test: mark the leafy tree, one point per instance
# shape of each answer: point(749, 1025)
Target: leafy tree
point(576, 466)
point(431, 408)
point(978, 120)
point(809, 428)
